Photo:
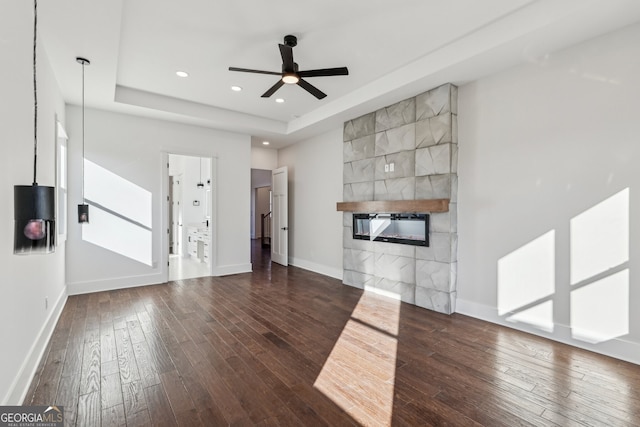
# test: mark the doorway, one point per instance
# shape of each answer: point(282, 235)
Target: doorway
point(190, 238)
point(260, 215)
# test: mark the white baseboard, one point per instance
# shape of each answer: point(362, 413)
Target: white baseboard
point(616, 347)
point(316, 268)
point(225, 270)
point(78, 288)
point(20, 386)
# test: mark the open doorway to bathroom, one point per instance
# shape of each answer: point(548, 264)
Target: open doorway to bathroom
point(190, 222)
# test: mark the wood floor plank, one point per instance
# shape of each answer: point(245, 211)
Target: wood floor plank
point(47, 388)
point(159, 406)
point(146, 366)
point(176, 392)
point(89, 410)
point(113, 417)
point(68, 393)
point(134, 398)
point(285, 346)
point(108, 351)
point(139, 419)
point(91, 364)
point(110, 391)
point(126, 359)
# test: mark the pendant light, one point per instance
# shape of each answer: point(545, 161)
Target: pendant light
point(83, 208)
point(34, 205)
point(200, 184)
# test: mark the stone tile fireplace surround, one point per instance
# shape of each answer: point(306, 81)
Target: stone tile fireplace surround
point(419, 136)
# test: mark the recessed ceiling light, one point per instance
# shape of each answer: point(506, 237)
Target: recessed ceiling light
point(265, 142)
point(182, 74)
point(279, 100)
point(236, 88)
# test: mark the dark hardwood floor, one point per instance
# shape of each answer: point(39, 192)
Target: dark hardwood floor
point(284, 346)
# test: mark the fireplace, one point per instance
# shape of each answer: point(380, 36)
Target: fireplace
point(403, 228)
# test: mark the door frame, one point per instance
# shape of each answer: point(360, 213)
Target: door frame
point(213, 208)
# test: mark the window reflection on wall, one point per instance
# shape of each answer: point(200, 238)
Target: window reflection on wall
point(121, 215)
point(527, 283)
point(599, 270)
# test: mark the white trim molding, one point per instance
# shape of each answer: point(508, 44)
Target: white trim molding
point(617, 347)
point(325, 270)
point(20, 386)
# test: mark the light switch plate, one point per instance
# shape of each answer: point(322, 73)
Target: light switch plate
point(391, 167)
point(386, 168)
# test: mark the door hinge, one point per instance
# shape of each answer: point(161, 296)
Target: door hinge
point(167, 231)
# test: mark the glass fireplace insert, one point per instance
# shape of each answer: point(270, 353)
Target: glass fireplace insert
point(403, 228)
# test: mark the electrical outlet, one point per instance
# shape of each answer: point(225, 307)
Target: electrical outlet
point(386, 168)
point(392, 167)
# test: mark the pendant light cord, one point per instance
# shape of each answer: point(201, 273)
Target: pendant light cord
point(83, 63)
point(35, 92)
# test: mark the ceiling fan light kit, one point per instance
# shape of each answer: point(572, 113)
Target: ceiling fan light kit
point(290, 73)
point(290, 79)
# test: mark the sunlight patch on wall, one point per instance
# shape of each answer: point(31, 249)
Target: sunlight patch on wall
point(600, 237)
point(600, 310)
point(117, 194)
point(118, 235)
point(599, 273)
point(526, 277)
point(540, 316)
point(120, 214)
point(352, 374)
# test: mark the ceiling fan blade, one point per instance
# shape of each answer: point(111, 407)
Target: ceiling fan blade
point(273, 89)
point(311, 89)
point(287, 57)
point(325, 72)
point(247, 70)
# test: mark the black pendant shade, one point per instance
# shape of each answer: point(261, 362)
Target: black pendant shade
point(34, 213)
point(34, 206)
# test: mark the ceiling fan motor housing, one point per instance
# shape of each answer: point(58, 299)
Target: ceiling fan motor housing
point(285, 70)
point(291, 41)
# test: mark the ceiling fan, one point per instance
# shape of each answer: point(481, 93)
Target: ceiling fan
point(290, 73)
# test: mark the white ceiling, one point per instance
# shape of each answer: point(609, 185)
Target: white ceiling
point(393, 49)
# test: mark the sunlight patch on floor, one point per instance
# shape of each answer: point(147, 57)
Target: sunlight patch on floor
point(364, 354)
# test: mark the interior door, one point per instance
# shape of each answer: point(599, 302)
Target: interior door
point(280, 214)
point(176, 214)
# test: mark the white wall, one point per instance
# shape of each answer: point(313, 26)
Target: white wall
point(264, 158)
point(131, 147)
point(25, 324)
point(315, 185)
point(541, 144)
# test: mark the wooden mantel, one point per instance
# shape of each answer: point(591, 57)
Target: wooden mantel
point(395, 206)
